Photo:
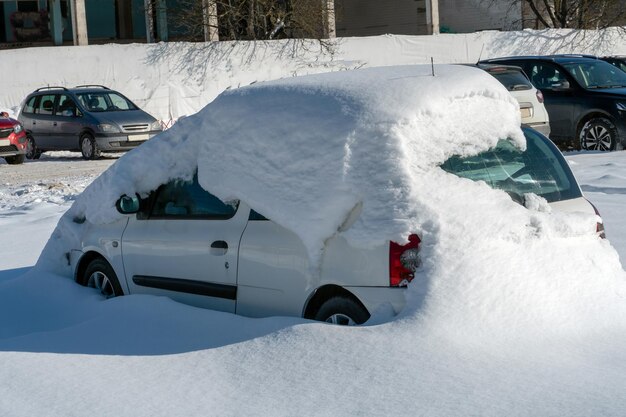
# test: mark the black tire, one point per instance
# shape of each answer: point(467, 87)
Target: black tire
point(89, 147)
point(32, 152)
point(15, 160)
point(598, 134)
point(99, 274)
point(343, 311)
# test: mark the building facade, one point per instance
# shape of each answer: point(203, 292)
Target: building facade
point(45, 22)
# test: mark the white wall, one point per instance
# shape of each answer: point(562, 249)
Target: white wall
point(174, 79)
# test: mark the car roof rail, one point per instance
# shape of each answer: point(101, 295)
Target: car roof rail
point(92, 85)
point(576, 56)
point(51, 87)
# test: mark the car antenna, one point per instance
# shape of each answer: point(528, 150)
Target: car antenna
point(432, 65)
point(481, 53)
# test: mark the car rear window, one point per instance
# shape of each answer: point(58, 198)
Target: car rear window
point(540, 169)
point(512, 80)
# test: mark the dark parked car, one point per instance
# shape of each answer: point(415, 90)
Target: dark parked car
point(585, 98)
point(87, 118)
point(618, 60)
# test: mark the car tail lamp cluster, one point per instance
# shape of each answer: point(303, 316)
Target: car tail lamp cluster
point(403, 261)
point(539, 96)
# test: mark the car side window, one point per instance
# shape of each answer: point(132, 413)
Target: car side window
point(188, 200)
point(546, 76)
point(92, 101)
point(46, 104)
point(118, 102)
point(67, 106)
point(29, 107)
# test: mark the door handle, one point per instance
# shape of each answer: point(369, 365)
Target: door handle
point(219, 247)
point(54, 123)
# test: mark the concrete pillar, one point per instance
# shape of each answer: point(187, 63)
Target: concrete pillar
point(56, 22)
point(432, 16)
point(79, 22)
point(210, 21)
point(330, 28)
point(149, 21)
point(161, 12)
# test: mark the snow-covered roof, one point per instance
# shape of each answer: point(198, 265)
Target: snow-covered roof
point(305, 151)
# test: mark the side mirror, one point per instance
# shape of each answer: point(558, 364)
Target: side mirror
point(128, 205)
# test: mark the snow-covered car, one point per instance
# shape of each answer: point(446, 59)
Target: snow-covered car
point(532, 109)
point(86, 118)
point(315, 196)
point(12, 140)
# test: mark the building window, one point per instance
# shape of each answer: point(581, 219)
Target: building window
point(27, 6)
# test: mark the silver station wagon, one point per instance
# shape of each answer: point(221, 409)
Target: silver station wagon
point(87, 118)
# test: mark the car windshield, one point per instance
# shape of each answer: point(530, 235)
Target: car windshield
point(597, 74)
point(540, 169)
point(512, 80)
point(103, 101)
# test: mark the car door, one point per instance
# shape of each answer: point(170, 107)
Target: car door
point(40, 123)
point(559, 93)
point(185, 245)
point(68, 123)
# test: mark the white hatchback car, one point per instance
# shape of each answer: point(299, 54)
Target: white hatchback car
point(299, 146)
point(532, 109)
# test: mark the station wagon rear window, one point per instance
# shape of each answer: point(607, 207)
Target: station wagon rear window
point(512, 80)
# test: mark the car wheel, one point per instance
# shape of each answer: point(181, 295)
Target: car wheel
point(14, 160)
point(89, 147)
point(99, 274)
point(32, 152)
point(343, 311)
point(598, 135)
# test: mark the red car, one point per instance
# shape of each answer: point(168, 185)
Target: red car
point(13, 140)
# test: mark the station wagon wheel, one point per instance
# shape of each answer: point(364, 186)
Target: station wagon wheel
point(598, 135)
point(89, 147)
point(100, 275)
point(343, 311)
point(32, 152)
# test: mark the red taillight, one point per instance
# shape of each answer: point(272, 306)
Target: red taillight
point(599, 225)
point(403, 261)
point(539, 96)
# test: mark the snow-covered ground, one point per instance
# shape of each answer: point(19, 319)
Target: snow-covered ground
point(65, 352)
point(509, 345)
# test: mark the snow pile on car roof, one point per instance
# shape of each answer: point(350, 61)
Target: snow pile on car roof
point(306, 151)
